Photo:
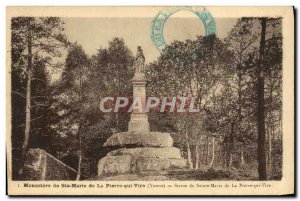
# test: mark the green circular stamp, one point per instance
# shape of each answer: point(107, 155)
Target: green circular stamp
point(161, 18)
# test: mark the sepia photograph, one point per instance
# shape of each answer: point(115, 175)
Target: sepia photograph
point(107, 96)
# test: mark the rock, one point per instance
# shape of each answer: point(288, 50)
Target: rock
point(40, 165)
point(153, 151)
point(115, 164)
point(148, 139)
point(158, 164)
point(129, 163)
point(166, 152)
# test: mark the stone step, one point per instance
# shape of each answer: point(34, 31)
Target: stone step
point(164, 153)
point(121, 164)
point(148, 139)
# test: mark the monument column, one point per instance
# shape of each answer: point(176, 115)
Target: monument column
point(139, 118)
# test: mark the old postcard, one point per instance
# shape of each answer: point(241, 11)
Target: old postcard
point(150, 101)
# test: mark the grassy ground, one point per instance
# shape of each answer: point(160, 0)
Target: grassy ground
point(186, 174)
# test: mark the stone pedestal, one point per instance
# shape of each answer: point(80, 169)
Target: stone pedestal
point(138, 123)
point(151, 151)
point(139, 119)
point(135, 160)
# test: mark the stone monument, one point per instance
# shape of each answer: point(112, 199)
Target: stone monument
point(139, 119)
point(140, 150)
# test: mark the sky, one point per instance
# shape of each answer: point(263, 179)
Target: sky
point(93, 33)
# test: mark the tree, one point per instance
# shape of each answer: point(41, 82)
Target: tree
point(33, 39)
point(270, 54)
point(189, 68)
point(83, 83)
point(261, 153)
point(18, 101)
point(40, 109)
point(273, 91)
point(114, 65)
point(241, 40)
point(73, 98)
point(112, 69)
point(242, 86)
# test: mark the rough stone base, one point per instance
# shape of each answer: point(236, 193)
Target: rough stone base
point(164, 153)
point(148, 139)
point(158, 164)
point(129, 164)
point(115, 164)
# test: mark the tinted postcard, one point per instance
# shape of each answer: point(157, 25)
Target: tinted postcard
point(150, 101)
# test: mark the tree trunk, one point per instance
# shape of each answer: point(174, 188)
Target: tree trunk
point(80, 125)
point(270, 148)
point(280, 124)
point(79, 166)
point(202, 152)
point(271, 131)
point(189, 155)
point(206, 154)
point(242, 157)
point(261, 152)
point(239, 124)
point(79, 160)
point(231, 145)
point(28, 102)
point(211, 165)
point(230, 160)
point(197, 155)
point(225, 165)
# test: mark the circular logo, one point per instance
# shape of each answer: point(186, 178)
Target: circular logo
point(161, 18)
